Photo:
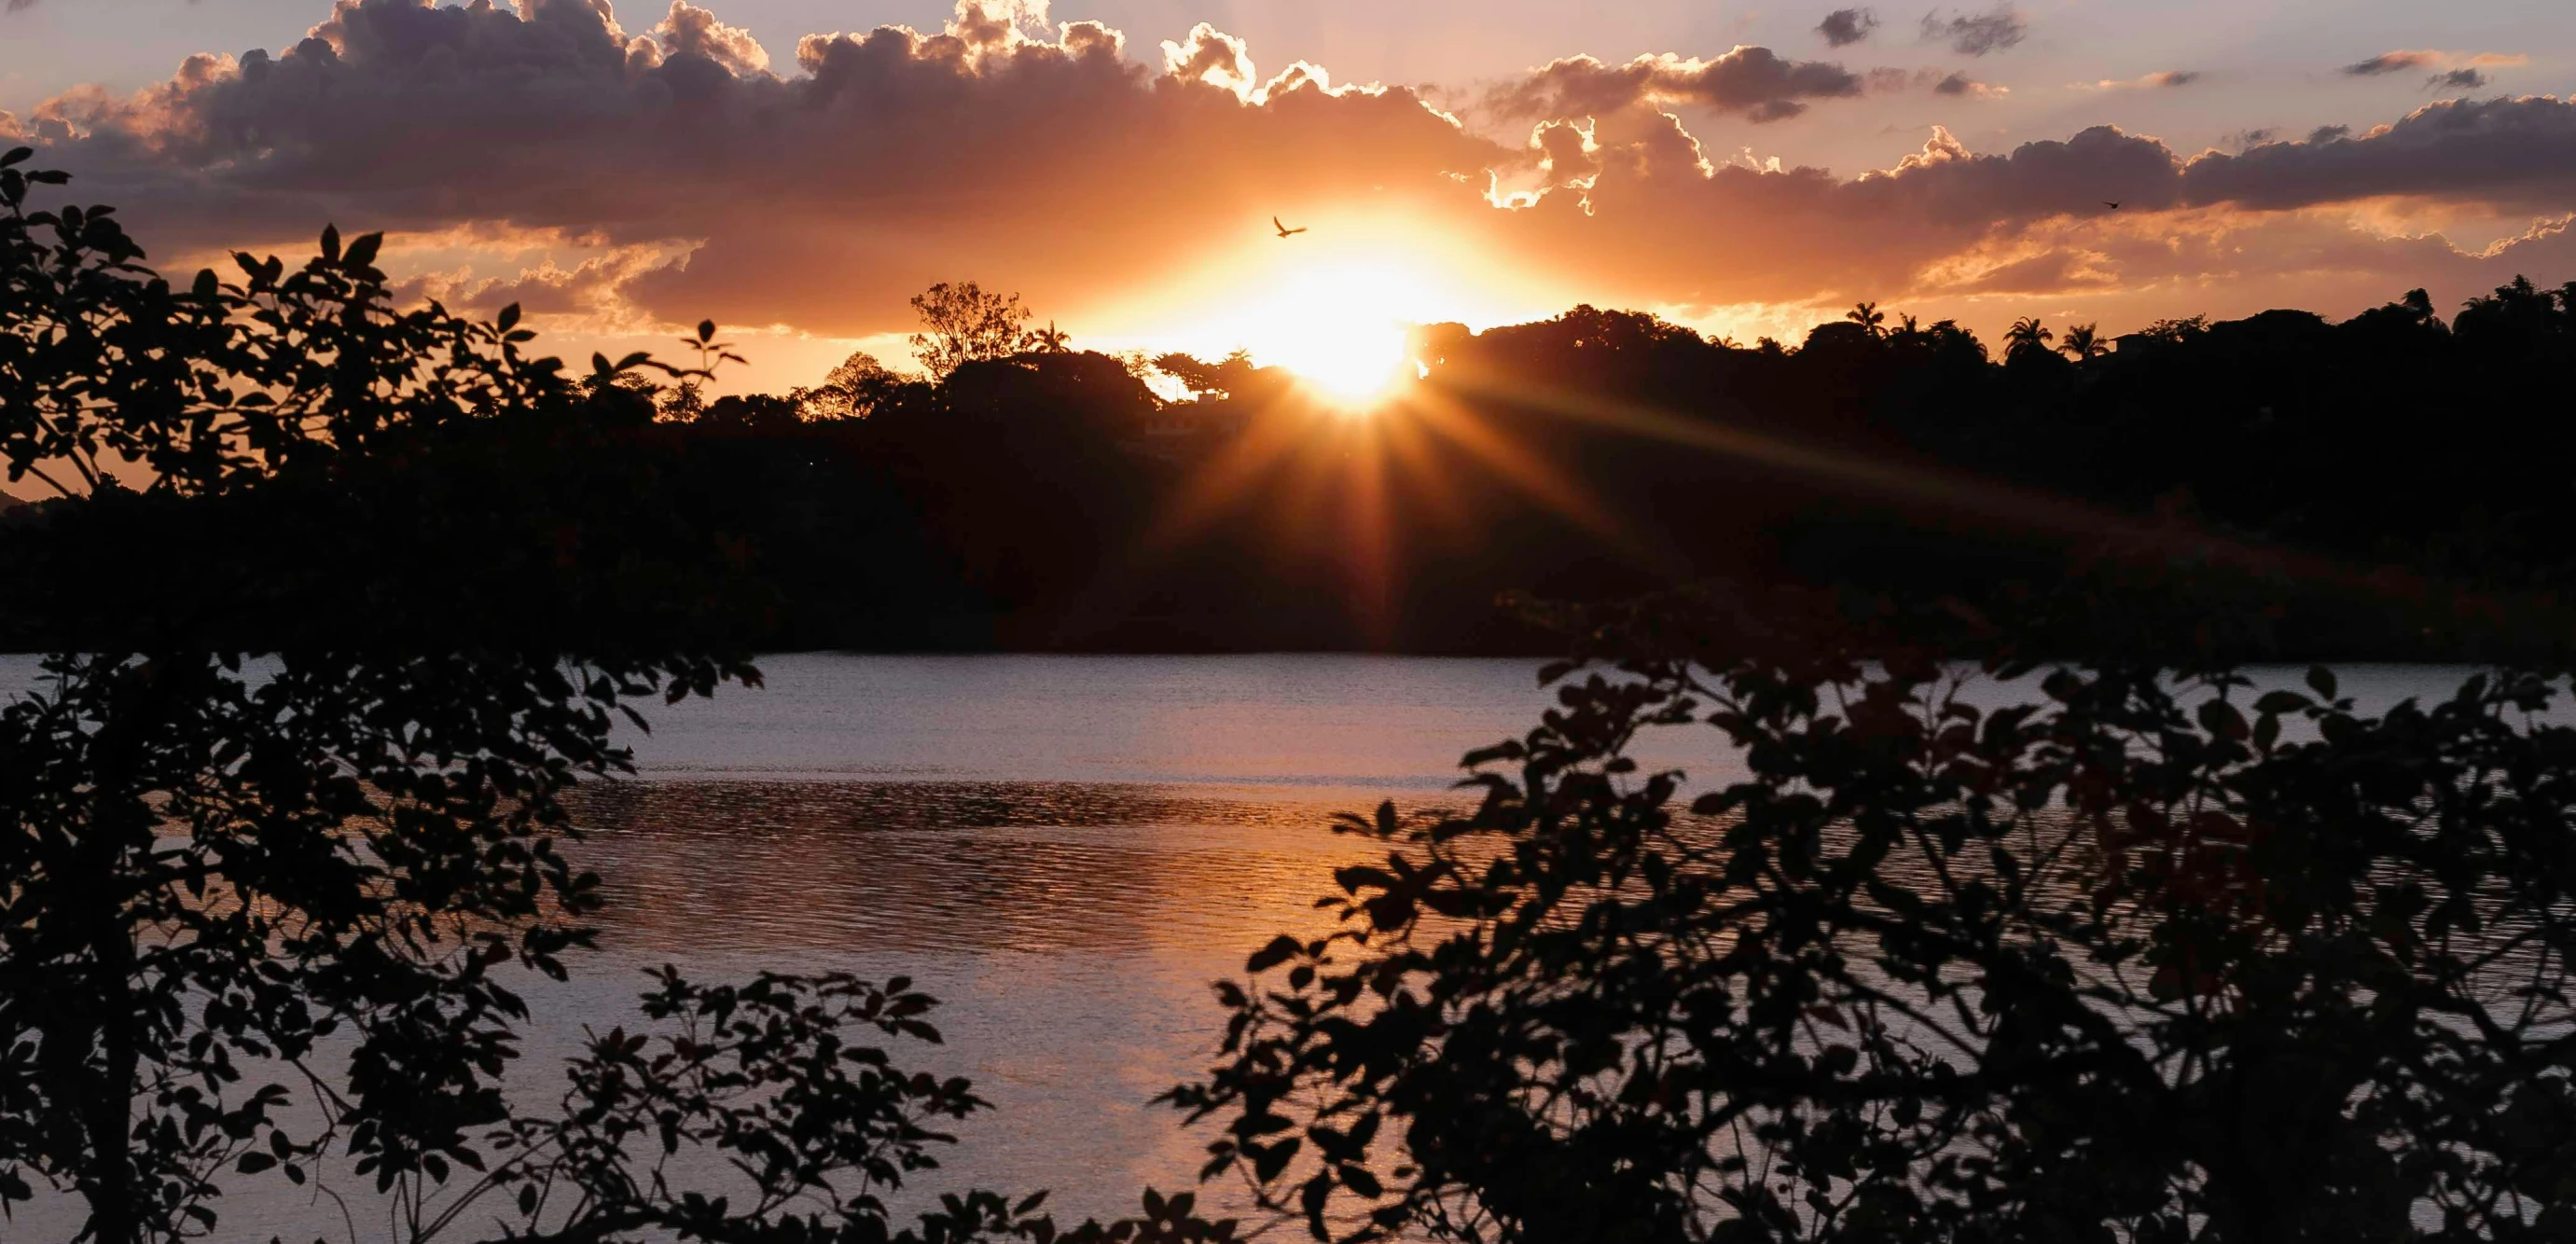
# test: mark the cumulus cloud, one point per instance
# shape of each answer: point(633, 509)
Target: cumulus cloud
point(1976, 34)
point(697, 182)
point(1214, 57)
point(693, 31)
point(1844, 27)
point(1753, 81)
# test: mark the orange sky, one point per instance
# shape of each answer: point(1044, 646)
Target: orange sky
point(621, 173)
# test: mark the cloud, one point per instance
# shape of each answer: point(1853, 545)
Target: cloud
point(1213, 57)
point(2165, 80)
point(1979, 34)
point(2458, 79)
point(693, 31)
point(2508, 154)
point(2391, 62)
point(1844, 27)
point(1753, 81)
point(2464, 64)
point(1961, 86)
point(671, 176)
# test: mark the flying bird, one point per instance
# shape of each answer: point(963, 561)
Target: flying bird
point(1285, 231)
point(2109, 204)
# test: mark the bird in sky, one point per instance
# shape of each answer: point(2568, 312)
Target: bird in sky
point(2109, 204)
point(1285, 231)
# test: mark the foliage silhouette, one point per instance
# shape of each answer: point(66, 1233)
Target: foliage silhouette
point(2026, 337)
point(283, 825)
point(2125, 953)
point(963, 324)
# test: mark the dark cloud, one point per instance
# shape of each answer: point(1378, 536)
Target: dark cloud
point(2516, 154)
point(2174, 77)
point(1753, 81)
point(2324, 134)
point(1978, 34)
point(2458, 79)
point(1844, 27)
point(2392, 62)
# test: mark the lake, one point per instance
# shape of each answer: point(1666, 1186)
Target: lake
point(1065, 850)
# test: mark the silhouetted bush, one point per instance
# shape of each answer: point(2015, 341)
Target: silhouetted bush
point(2117, 953)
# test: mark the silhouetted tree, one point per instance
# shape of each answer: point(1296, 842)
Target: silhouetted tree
point(2180, 331)
point(961, 324)
point(851, 390)
point(1869, 317)
point(2026, 337)
point(2084, 341)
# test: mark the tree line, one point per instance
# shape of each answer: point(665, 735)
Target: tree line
point(2387, 484)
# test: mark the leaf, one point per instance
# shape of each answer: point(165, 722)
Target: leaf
point(2281, 702)
point(508, 319)
point(17, 155)
point(362, 253)
point(1280, 950)
point(331, 244)
point(706, 330)
point(2322, 681)
point(254, 1162)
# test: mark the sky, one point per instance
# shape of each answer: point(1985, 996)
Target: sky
point(796, 169)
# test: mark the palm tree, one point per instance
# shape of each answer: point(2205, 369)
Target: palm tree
point(2084, 341)
point(1868, 316)
point(2026, 335)
point(1048, 340)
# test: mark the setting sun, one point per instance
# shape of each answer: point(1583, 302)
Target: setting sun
point(1333, 306)
point(1336, 327)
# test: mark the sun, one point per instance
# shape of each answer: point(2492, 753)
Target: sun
point(1334, 306)
point(1335, 325)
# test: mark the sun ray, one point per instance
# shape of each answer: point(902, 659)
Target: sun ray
point(1524, 471)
